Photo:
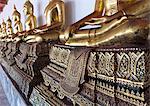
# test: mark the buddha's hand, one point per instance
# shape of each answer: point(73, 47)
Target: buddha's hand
point(68, 33)
point(64, 36)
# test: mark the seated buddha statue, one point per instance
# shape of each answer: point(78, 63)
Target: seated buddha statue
point(3, 26)
point(1, 34)
point(17, 24)
point(9, 29)
point(55, 19)
point(17, 21)
point(121, 22)
point(30, 22)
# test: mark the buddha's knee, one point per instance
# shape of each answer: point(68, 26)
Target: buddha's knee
point(140, 28)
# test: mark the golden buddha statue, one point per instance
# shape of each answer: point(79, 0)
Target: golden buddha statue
point(55, 19)
point(1, 35)
point(119, 22)
point(30, 22)
point(17, 22)
point(9, 29)
point(3, 26)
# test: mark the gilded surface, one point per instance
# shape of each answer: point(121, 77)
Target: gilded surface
point(114, 25)
point(3, 26)
point(55, 19)
point(110, 75)
point(131, 66)
point(30, 22)
point(9, 30)
point(80, 75)
point(54, 13)
point(17, 21)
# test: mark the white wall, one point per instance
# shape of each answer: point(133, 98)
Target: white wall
point(75, 10)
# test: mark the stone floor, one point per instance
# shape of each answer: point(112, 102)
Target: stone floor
point(3, 98)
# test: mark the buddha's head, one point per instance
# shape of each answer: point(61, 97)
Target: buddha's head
point(15, 15)
point(8, 22)
point(28, 8)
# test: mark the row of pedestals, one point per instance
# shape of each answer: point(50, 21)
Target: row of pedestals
point(48, 74)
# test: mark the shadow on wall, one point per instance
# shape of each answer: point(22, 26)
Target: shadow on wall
point(40, 18)
point(69, 16)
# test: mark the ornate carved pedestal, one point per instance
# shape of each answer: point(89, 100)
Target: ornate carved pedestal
point(3, 48)
point(79, 75)
point(67, 66)
point(120, 76)
point(34, 57)
point(96, 76)
point(21, 78)
point(23, 62)
point(44, 97)
point(11, 52)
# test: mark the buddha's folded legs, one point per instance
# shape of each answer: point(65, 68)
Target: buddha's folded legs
point(128, 31)
point(91, 33)
point(53, 35)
